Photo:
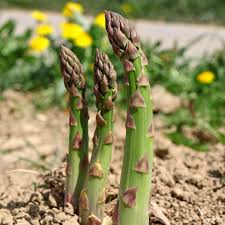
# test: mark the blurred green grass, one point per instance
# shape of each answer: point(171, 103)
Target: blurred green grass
point(205, 11)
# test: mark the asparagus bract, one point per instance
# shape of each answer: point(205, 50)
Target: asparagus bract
point(77, 158)
point(93, 196)
point(135, 184)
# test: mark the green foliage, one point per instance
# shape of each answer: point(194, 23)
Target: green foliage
point(19, 68)
point(180, 139)
point(205, 103)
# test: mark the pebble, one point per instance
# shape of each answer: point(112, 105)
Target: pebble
point(52, 201)
point(7, 220)
point(22, 222)
point(59, 217)
point(35, 222)
point(47, 220)
point(71, 221)
point(33, 210)
point(180, 194)
point(68, 209)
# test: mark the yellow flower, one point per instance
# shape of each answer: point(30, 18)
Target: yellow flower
point(127, 8)
point(83, 40)
point(100, 20)
point(39, 44)
point(70, 30)
point(206, 77)
point(71, 8)
point(39, 16)
point(44, 29)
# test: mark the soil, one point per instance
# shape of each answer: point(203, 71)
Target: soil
point(187, 187)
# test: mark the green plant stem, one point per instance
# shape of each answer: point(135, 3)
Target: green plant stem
point(77, 158)
point(137, 145)
point(93, 195)
point(96, 185)
point(135, 184)
point(73, 181)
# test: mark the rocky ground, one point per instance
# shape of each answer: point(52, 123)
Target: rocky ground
point(188, 186)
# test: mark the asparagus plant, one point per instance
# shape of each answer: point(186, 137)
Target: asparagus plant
point(92, 198)
point(135, 184)
point(77, 158)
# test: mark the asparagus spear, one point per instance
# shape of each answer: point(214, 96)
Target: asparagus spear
point(77, 158)
point(135, 184)
point(92, 197)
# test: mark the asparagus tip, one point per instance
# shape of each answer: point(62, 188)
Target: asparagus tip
point(72, 71)
point(105, 78)
point(124, 39)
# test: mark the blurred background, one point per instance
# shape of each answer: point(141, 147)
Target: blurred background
point(184, 41)
point(207, 11)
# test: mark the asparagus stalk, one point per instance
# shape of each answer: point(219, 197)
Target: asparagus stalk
point(135, 184)
point(92, 197)
point(77, 158)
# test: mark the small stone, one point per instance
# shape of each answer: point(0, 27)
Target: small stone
point(17, 210)
point(71, 221)
point(36, 197)
point(164, 101)
point(55, 210)
point(159, 214)
point(47, 220)
point(61, 216)
point(107, 220)
point(22, 222)
point(162, 146)
point(180, 194)
point(33, 210)
point(167, 179)
point(52, 201)
point(5, 217)
point(34, 222)
point(68, 209)
point(21, 215)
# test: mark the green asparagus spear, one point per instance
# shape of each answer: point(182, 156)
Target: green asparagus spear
point(77, 158)
point(135, 184)
point(92, 197)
